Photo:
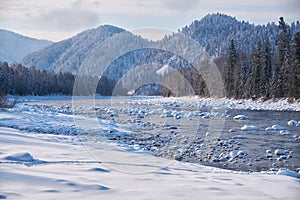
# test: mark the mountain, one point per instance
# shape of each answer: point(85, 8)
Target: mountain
point(215, 31)
point(67, 55)
point(13, 46)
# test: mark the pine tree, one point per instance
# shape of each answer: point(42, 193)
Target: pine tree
point(266, 74)
point(295, 64)
point(256, 71)
point(230, 71)
point(284, 59)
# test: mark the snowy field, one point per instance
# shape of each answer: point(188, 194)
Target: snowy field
point(50, 151)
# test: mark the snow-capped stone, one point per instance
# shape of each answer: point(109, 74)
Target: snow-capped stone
point(279, 152)
point(248, 128)
point(292, 123)
point(178, 157)
point(268, 151)
point(239, 137)
point(233, 154)
point(277, 127)
point(240, 117)
point(285, 132)
point(242, 153)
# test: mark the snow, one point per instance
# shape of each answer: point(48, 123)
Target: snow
point(43, 156)
point(245, 104)
point(20, 157)
point(164, 70)
point(69, 172)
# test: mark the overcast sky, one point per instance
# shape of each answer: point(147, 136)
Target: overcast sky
point(59, 19)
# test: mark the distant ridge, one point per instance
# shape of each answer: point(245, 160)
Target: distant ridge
point(13, 46)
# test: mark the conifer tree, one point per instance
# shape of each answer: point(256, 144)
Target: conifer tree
point(295, 63)
point(256, 71)
point(284, 59)
point(266, 70)
point(230, 71)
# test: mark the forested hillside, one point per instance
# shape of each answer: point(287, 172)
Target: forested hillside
point(67, 55)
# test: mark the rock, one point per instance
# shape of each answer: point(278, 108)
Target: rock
point(258, 159)
point(242, 154)
point(268, 151)
point(270, 129)
point(292, 123)
point(178, 157)
point(277, 127)
point(232, 130)
point(279, 152)
point(240, 117)
point(285, 132)
point(233, 154)
point(248, 128)
point(239, 137)
point(269, 155)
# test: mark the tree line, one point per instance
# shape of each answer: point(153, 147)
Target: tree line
point(19, 80)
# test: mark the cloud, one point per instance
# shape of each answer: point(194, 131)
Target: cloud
point(69, 19)
point(181, 5)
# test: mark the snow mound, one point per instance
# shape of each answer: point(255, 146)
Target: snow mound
point(287, 172)
point(240, 117)
point(24, 157)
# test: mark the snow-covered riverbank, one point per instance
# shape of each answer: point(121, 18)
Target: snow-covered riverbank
point(44, 153)
point(43, 166)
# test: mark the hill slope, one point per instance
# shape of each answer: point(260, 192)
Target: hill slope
point(13, 46)
point(67, 55)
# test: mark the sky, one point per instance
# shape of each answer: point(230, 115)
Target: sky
point(60, 19)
